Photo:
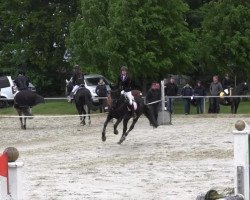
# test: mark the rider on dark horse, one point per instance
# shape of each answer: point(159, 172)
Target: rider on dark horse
point(125, 85)
point(78, 80)
point(22, 84)
point(22, 81)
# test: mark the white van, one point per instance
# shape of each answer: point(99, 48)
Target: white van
point(7, 91)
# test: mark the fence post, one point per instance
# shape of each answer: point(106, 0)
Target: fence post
point(15, 180)
point(164, 117)
point(241, 158)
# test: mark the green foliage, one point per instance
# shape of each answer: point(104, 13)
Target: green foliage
point(32, 38)
point(150, 37)
point(225, 37)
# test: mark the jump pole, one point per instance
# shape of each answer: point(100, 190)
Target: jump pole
point(242, 158)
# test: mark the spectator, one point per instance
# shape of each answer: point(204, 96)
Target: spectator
point(171, 90)
point(101, 91)
point(22, 81)
point(187, 91)
point(199, 90)
point(215, 90)
point(154, 96)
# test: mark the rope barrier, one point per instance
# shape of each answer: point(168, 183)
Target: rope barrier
point(50, 116)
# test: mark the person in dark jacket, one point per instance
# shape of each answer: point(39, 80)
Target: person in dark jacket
point(199, 90)
point(102, 92)
point(171, 90)
point(22, 81)
point(125, 85)
point(187, 91)
point(153, 98)
point(77, 80)
point(215, 90)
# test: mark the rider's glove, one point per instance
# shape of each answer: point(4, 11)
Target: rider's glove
point(122, 92)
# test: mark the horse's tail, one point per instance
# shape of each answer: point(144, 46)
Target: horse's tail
point(91, 105)
point(149, 114)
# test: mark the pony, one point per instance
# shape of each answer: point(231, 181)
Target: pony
point(83, 101)
point(23, 101)
point(119, 109)
point(234, 102)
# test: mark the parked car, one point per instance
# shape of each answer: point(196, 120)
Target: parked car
point(91, 81)
point(8, 89)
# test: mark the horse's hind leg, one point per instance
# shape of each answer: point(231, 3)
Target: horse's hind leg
point(21, 118)
point(125, 126)
point(88, 112)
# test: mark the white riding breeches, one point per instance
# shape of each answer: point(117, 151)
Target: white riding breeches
point(75, 88)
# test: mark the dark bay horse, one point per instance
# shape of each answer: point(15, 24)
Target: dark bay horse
point(234, 102)
point(118, 109)
point(23, 101)
point(83, 101)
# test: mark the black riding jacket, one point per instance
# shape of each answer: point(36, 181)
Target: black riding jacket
point(22, 82)
point(78, 78)
point(124, 83)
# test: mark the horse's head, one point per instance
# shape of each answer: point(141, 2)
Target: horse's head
point(242, 88)
point(115, 99)
point(69, 86)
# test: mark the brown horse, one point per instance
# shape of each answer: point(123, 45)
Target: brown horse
point(119, 109)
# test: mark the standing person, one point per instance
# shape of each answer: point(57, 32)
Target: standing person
point(78, 80)
point(215, 90)
point(199, 90)
point(187, 91)
point(154, 95)
point(101, 91)
point(125, 85)
point(171, 89)
point(22, 81)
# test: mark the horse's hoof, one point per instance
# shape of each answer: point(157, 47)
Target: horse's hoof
point(121, 140)
point(103, 138)
point(23, 127)
point(83, 123)
point(116, 132)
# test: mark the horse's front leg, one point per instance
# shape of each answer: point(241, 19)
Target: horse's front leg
point(116, 124)
point(105, 126)
point(125, 126)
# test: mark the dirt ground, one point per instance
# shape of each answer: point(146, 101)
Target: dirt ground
point(66, 161)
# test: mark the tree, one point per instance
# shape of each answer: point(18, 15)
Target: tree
point(33, 38)
point(225, 37)
point(150, 37)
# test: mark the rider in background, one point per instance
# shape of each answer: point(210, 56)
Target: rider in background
point(22, 81)
point(125, 85)
point(78, 80)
